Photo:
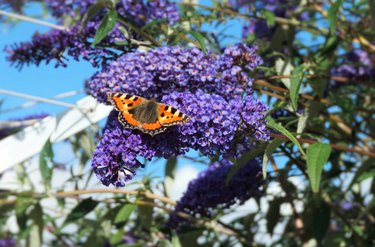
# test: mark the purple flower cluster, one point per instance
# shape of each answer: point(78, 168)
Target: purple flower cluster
point(152, 10)
point(259, 27)
point(76, 41)
point(163, 10)
point(211, 190)
point(167, 69)
point(68, 7)
point(216, 126)
point(356, 64)
point(53, 45)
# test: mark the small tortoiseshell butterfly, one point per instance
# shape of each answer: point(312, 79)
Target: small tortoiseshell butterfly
point(149, 116)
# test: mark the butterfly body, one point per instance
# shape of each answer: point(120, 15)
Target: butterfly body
point(149, 116)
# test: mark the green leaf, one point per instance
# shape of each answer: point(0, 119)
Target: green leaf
point(190, 237)
point(268, 154)
point(83, 208)
point(317, 155)
point(124, 213)
point(170, 173)
point(201, 40)
point(270, 17)
point(117, 238)
point(320, 221)
point(295, 84)
point(362, 169)
point(277, 126)
point(46, 162)
point(91, 12)
point(164, 243)
point(107, 24)
point(273, 214)
point(175, 240)
point(21, 206)
point(365, 176)
point(332, 15)
point(145, 214)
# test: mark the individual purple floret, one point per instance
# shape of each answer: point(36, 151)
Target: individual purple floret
point(215, 127)
point(167, 69)
point(211, 190)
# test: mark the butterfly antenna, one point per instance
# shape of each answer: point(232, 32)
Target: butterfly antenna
point(149, 95)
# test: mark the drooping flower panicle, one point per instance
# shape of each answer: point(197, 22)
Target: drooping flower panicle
point(212, 190)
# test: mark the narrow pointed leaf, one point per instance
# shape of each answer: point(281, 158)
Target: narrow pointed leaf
point(268, 154)
point(107, 24)
point(46, 162)
point(124, 213)
point(83, 208)
point(332, 15)
point(198, 37)
point(317, 156)
point(277, 126)
point(295, 85)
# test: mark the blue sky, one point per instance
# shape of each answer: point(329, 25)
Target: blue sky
point(43, 81)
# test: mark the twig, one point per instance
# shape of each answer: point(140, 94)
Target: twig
point(116, 191)
point(334, 146)
point(32, 20)
point(34, 102)
point(39, 99)
point(139, 31)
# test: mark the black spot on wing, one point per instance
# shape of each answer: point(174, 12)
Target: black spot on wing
point(127, 96)
point(173, 110)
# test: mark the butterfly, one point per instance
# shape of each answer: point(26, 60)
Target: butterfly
point(148, 116)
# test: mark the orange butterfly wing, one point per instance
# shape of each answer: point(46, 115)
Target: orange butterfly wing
point(128, 120)
point(169, 115)
point(123, 101)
